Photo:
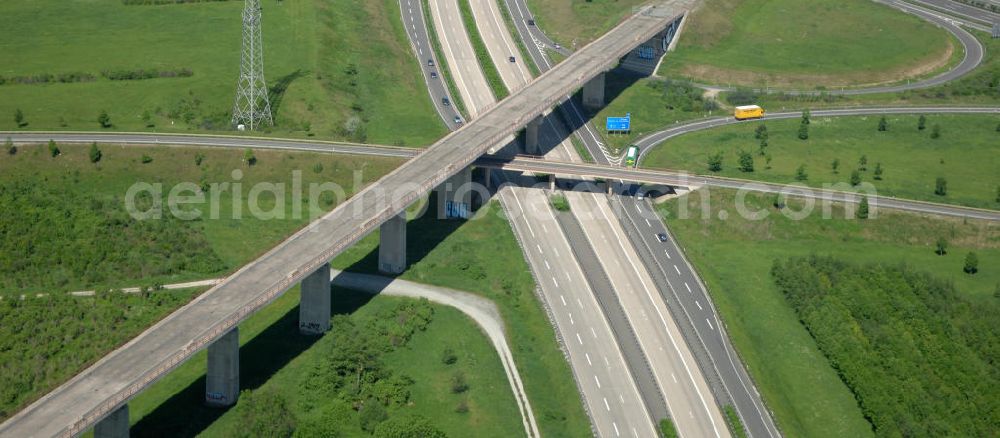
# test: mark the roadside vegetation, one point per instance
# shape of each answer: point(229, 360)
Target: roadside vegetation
point(735, 255)
point(904, 159)
point(333, 72)
point(46, 340)
point(482, 54)
point(417, 377)
point(482, 256)
point(917, 355)
point(828, 43)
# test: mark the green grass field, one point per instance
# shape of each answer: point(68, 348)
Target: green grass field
point(967, 154)
point(481, 256)
point(807, 43)
point(326, 64)
point(734, 257)
point(579, 21)
point(121, 167)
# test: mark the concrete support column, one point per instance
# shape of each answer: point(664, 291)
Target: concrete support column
point(552, 182)
point(593, 92)
point(531, 144)
point(454, 196)
point(392, 245)
point(487, 176)
point(114, 425)
point(222, 381)
point(314, 305)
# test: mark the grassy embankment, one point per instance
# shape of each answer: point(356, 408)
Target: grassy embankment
point(579, 21)
point(275, 357)
point(830, 43)
point(967, 154)
point(481, 256)
point(734, 257)
point(329, 68)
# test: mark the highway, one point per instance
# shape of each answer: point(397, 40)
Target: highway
point(101, 388)
point(416, 30)
point(692, 407)
point(462, 60)
point(609, 388)
point(692, 308)
point(963, 11)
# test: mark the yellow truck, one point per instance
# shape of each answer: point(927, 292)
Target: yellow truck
point(749, 112)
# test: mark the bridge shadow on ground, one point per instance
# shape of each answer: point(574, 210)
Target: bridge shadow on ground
point(184, 414)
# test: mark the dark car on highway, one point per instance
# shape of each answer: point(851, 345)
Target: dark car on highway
point(662, 237)
point(445, 101)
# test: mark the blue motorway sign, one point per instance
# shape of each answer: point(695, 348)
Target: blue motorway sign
point(620, 123)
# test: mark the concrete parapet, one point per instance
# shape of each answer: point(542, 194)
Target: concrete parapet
point(222, 380)
point(392, 245)
point(314, 304)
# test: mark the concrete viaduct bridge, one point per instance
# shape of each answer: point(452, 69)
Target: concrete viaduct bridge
point(98, 396)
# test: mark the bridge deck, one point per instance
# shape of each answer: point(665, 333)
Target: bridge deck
point(100, 389)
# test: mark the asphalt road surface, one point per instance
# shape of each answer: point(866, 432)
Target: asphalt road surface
point(416, 30)
point(962, 10)
point(462, 60)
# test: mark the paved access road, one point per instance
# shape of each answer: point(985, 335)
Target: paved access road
point(416, 29)
point(686, 296)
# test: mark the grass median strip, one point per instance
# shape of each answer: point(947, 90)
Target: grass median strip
point(482, 55)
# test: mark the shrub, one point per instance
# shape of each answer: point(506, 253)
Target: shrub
point(855, 177)
point(249, 157)
point(941, 186)
point(54, 149)
point(746, 161)
point(458, 383)
point(95, 153)
point(372, 413)
point(8, 145)
point(559, 202)
point(971, 263)
point(800, 173)
point(448, 357)
point(104, 120)
point(715, 162)
point(146, 159)
point(198, 158)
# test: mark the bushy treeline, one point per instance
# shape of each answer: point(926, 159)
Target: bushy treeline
point(748, 96)
point(140, 74)
point(46, 340)
point(53, 237)
point(920, 359)
point(348, 386)
point(48, 78)
point(114, 75)
point(682, 96)
point(166, 2)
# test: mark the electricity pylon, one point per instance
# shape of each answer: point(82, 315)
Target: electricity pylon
point(252, 107)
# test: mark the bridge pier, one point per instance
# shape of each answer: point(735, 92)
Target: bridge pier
point(593, 92)
point(392, 245)
point(531, 144)
point(115, 425)
point(222, 381)
point(454, 196)
point(314, 304)
point(487, 176)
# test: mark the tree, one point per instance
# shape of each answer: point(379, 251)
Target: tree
point(936, 131)
point(835, 165)
point(264, 413)
point(147, 118)
point(922, 123)
point(249, 157)
point(53, 149)
point(883, 124)
point(862, 212)
point(372, 413)
point(941, 186)
point(863, 163)
point(410, 426)
point(104, 119)
point(941, 247)
point(198, 158)
point(855, 177)
point(19, 118)
point(715, 162)
point(746, 161)
point(448, 357)
point(11, 150)
point(804, 130)
point(805, 116)
point(146, 159)
point(458, 383)
point(95, 153)
point(763, 147)
point(971, 263)
point(779, 201)
point(800, 174)
point(760, 132)
point(878, 171)
point(767, 162)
